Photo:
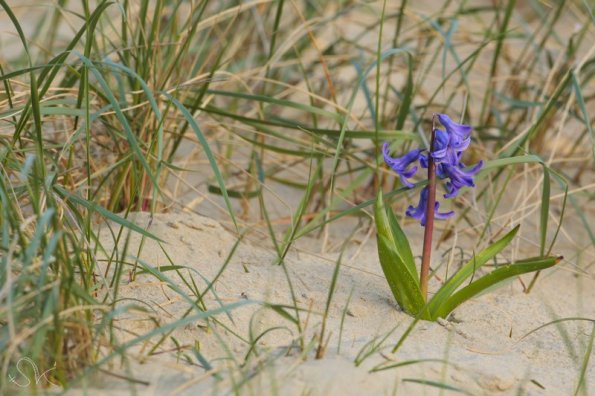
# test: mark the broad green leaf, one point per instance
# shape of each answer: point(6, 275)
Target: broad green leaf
point(498, 275)
point(396, 260)
point(467, 270)
point(402, 243)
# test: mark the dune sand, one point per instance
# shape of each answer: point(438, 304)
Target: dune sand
point(481, 349)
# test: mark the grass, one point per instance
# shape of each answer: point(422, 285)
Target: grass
point(108, 108)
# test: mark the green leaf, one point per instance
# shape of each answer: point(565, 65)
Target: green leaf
point(402, 244)
point(441, 297)
point(498, 275)
point(396, 260)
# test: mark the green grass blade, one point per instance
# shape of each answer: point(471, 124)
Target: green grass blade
point(564, 185)
point(582, 382)
point(555, 322)
point(541, 118)
point(205, 145)
point(436, 384)
point(485, 108)
point(580, 211)
point(544, 215)
point(121, 349)
point(329, 298)
point(383, 366)
point(299, 213)
point(365, 90)
point(278, 102)
point(545, 210)
point(94, 207)
point(405, 105)
point(34, 92)
point(276, 121)
point(36, 240)
point(132, 140)
point(581, 102)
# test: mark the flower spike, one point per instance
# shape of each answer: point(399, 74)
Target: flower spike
point(447, 149)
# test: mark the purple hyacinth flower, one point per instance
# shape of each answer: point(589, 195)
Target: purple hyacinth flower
point(401, 164)
point(459, 178)
point(448, 147)
point(459, 144)
point(459, 130)
point(448, 157)
point(419, 212)
point(447, 150)
point(423, 161)
point(441, 145)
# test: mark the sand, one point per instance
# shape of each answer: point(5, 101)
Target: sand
point(481, 350)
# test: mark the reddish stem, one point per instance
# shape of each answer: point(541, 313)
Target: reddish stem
point(427, 248)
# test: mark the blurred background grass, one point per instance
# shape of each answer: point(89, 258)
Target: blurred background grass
point(266, 115)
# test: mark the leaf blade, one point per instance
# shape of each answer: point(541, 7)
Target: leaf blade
point(396, 260)
point(467, 270)
point(498, 275)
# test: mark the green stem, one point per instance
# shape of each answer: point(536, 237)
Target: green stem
point(429, 228)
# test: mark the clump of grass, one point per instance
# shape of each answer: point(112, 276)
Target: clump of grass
point(45, 305)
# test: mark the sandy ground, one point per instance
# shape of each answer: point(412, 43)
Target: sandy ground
point(481, 350)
